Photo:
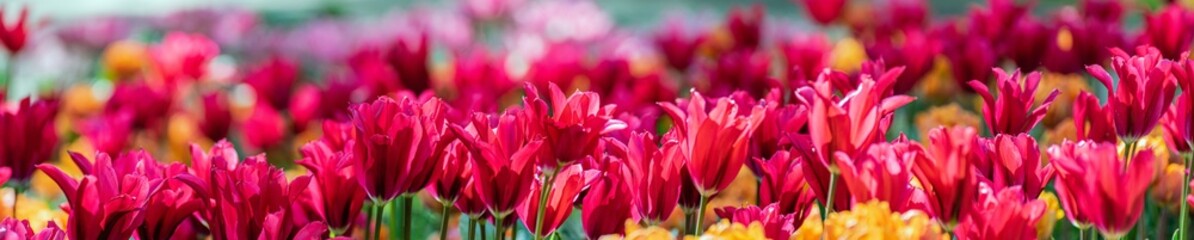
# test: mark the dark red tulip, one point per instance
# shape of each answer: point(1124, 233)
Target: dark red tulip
point(782, 125)
point(1165, 30)
point(398, 145)
point(107, 202)
point(469, 202)
point(614, 79)
point(883, 173)
point(109, 132)
point(746, 26)
point(20, 230)
point(781, 182)
point(915, 50)
point(409, 56)
point(690, 196)
point(265, 128)
point(805, 57)
point(572, 125)
point(1093, 122)
point(273, 81)
point(1016, 161)
point(946, 173)
point(148, 104)
point(904, 14)
point(217, 116)
point(335, 190)
point(714, 141)
point(1111, 11)
point(455, 170)
point(14, 36)
point(824, 12)
point(655, 173)
point(776, 224)
point(679, 48)
point(1006, 214)
point(740, 70)
point(1096, 187)
point(250, 199)
point(503, 160)
point(993, 21)
point(173, 206)
point(1012, 111)
point(29, 137)
point(971, 57)
point(1028, 51)
point(605, 207)
point(1145, 90)
point(183, 56)
point(1077, 41)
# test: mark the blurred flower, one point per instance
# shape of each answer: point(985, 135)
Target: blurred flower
point(217, 116)
point(29, 137)
point(1166, 30)
point(871, 220)
point(847, 54)
point(183, 56)
point(884, 173)
point(806, 56)
point(949, 115)
point(904, 14)
point(971, 56)
point(273, 81)
point(560, 63)
point(409, 56)
point(14, 35)
point(1144, 91)
point(703, 131)
point(265, 128)
point(1098, 188)
point(19, 229)
point(95, 33)
point(124, 59)
point(677, 46)
point(503, 160)
point(776, 225)
point(1006, 214)
point(741, 70)
point(1167, 190)
point(335, 190)
point(109, 132)
point(480, 81)
point(1015, 160)
point(605, 208)
point(1053, 213)
point(1030, 49)
point(655, 173)
point(947, 173)
point(1012, 111)
point(824, 12)
point(398, 145)
point(1178, 123)
point(915, 50)
point(782, 182)
point(572, 126)
point(1069, 86)
point(746, 26)
point(487, 10)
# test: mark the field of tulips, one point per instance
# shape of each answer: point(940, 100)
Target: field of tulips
point(543, 119)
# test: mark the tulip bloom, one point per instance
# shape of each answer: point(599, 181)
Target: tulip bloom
point(398, 144)
point(265, 128)
point(1166, 30)
point(455, 170)
point(14, 36)
point(1098, 188)
point(503, 161)
point(1028, 51)
point(1015, 161)
point(916, 51)
point(946, 174)
point(338, 196)
point(746, 26)
point(183, 56)
point(19, 229)
point(605, 208)
point(702, 135)
point(273, 206)
point(677, 47)
point(217, 116)
point(1145, 89)
point(409, 57)
point(110, 132)
point(107, 202)
point(824, 12)
point(739, 70)
point(884, 173)
point(1007, 214)
point(273, 81)
point(565, 189)
point(971, 56)
point(1179, 123)
point(1012, 112)
point(782, 183)
point(1093, 122)
point(148, 104)
point(29, 137)
point(776, 224)
point(655, 173)
point(573, 126)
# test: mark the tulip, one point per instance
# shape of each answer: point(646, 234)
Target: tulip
point(337, 135)
point(1006, 214)
point(148, 104)
point(409, 56)
point(272, 207)
point(265, 128)
point(1177, 125)
point(746, 26)
point(1016, 161)
point(633, 92)
point(1098, 188)
point(883, 173)
point(605, 208)
point(906, 14)
point(742, 70)
point(561, 64)
point(174, 204)
point(1028, 51)
point(971, 56)
point(479, 80)
point(712, 167)
point(183, 56)
point(677, 47)
point(806, 56)
point(1102, 10)
point(1100, 119)
point(14, 36)
point(338, 196)
point(782, 184)
point(304, 107)
point(110, 132)
point(1145, 89)
point(999, 17)
point(217, 116)
point(273, 81)
point(655, 173)
point(107, 202)
point(824, 12)
point(946, 173)
point(29, 138)
point(503, 162)
point(373, 73)
point(1166, 30)
point(915, 50)
point(455, 171)
point(776, 224)
point(558, 204)
point(1012, 112)
point(781, 127)
point(573, 126)
point(19, 229)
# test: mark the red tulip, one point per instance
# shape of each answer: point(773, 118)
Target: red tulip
point(1166, 30)
point(655, 173)
point(109, 132)
point(1081, 40)
point(183, 56)
point(1028, 51)
point(148, 104)
point(1007, 214)
point(337, 135)
point(107, 202)
point(678, 47)
point(372, 72)
point(740, 70)
point(716, 142)
point(336, 192)
point(1016, 161)
point(971, 56)
point(265, 128)
point(782, 184)
point(915, 50)
point(780, 128)
point(690, 196)
point(469, 202)
point(479, 80)
point(572, 126)
point(824, 12)
point(29, 137)
point(632, 91)
point(1101, 123)
point(409, 56)
point(565, 189)
point(455, 171)
point(304, 107)
point(947, 173)
point(398, 145)
point(250, 199)
point(14, 36)
point(883, 173)
point(1179, 123)
point(273, 81)
point(19, 229)
point(997, 18)
point(217, 116)
point(746, 26)
point(503, 160)
point(1012, 112)
point(806, 56)
point(5, 174)
point(1096, 187)
point(905, 14)
point(1102, 10)
point(605, 207)
point(1145, 89)
point(776, 224)
point(561, 63)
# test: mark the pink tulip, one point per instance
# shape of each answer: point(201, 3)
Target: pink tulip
point(398, 145)
point(335, 190)
point(655, 173)
point(1016, 161)
point(29, 137)
point(713, 141)
point(782, 182)
point(1096, 187)
point(1006, 214)
point(1145, 89)
point(1012, 111)
point(947, 174)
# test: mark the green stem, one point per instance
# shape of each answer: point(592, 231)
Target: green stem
point(829, 201)
point(484, 228)
point(1081, 234)
point(1182, 215)
point(687, 222)
point(443, 221)
point(544, 193)
point(472, 228)
point(499, 228)
point(9, 73)
point(380, 208)
point(700, 216)
point(407, 202)
point(16, 197)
